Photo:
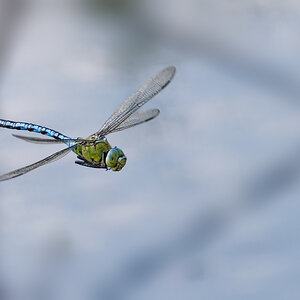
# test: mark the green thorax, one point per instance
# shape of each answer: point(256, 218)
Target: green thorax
point(93, 151)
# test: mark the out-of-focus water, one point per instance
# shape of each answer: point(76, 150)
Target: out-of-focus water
point(208, 203)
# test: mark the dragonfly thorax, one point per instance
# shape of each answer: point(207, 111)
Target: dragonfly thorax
point(98, 153)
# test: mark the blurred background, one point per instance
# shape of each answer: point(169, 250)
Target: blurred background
point(207, 206)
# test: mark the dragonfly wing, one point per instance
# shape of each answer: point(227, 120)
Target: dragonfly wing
point(135, 101)
point(43, 140)
point(137, 118)
point(38, 164)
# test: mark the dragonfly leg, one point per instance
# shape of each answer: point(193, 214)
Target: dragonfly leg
point(86, 163)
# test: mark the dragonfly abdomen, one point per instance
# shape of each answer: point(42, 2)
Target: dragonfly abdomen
point(32, 128)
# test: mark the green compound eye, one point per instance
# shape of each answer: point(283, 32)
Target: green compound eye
point(115, 159)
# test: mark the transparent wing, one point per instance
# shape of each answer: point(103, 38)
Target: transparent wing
point(44, 140)
point(137, 118)
point(135, 101)
point(47, 160)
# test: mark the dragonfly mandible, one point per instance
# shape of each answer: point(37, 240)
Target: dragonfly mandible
point(95, 151)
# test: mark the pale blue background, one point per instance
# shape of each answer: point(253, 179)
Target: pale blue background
point(207, 206)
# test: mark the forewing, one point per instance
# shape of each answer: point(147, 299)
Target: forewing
point(137, 118)
point(47, 160)
point(135, 101)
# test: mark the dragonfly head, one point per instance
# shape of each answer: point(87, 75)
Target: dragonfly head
point(115, 159)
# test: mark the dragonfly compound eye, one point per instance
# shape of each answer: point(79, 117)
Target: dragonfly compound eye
point(115, 159)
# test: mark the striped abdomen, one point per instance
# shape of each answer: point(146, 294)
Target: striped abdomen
point(33, 128)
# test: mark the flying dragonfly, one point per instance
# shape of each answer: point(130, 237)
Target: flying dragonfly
point(95, 151)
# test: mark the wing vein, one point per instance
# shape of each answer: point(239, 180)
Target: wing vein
point(151, 88)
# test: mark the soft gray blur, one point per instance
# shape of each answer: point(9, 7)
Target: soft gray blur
point(207, 206)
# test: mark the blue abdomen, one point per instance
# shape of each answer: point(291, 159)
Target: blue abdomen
point(33, 128)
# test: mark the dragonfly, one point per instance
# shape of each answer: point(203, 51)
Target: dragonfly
point(95, 150)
